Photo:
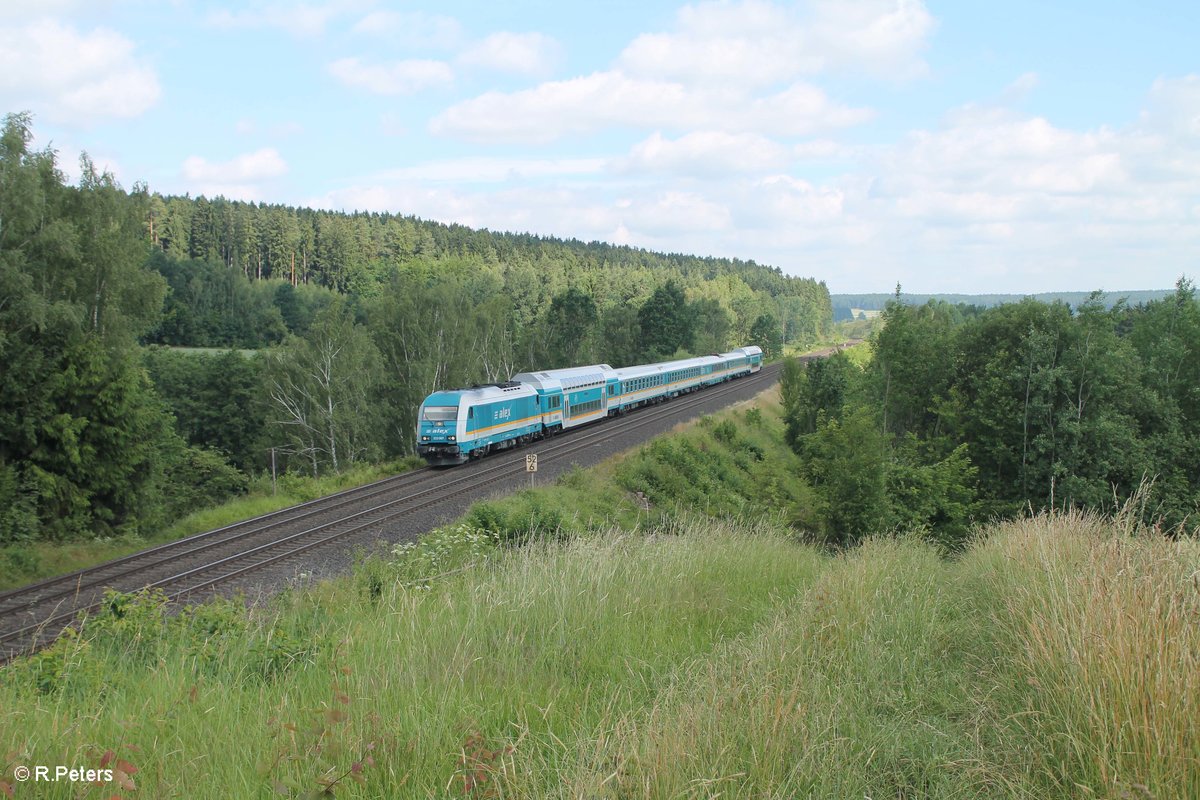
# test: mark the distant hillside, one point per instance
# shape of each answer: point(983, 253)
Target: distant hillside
point(847, 306)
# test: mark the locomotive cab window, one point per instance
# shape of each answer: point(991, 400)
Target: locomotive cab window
point(441, 413)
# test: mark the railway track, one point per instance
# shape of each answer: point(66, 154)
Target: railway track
point(193, 567)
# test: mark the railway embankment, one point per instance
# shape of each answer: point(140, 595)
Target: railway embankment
point(664, 631)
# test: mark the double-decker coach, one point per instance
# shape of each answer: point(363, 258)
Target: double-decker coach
point(743, 360)
point(572, 396)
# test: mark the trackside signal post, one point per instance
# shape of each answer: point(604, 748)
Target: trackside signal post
point(531, 466)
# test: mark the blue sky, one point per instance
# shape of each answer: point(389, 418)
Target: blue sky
point(960, 146)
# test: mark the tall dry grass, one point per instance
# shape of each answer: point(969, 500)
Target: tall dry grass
point(1100, 624)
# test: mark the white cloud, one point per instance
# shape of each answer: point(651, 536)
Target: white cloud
point(674, 212)
point(494, 170)
point(882, 37)
point(1019, 89)
point(611, 99)
point(279, 130)
point(236, 176)
point(705, 153)
point(799, 110)
point(396, 77)
point(735, 67)
point(412, 29)
point(1021, 160)
point(27, 9)
point(558, 108)
point(239, 178)
point(756, 43)
point(516, 53)
point(74, 77)
point(785, 200)
point(751, 42)
point(299, 19)
point(1174, 107)
point(823, 150)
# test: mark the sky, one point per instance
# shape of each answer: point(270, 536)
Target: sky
point(962, 146)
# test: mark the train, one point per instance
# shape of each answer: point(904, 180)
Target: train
point(459, 425)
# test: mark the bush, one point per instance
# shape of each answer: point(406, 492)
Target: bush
point(725, 432)
point(18, 506)
point(527, 515)
point(201, 478)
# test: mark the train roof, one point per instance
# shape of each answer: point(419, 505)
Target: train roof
point(642, 370)
point(568, 378)
point(479, 394)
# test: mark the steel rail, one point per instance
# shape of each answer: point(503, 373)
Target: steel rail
point(74, 582)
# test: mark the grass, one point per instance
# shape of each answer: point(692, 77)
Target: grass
point(1056, 658)
point(213, 351)
point(860, 355)
point(1103, 645)
point(731, 464)
point(28, 562)
point(858, 688)
point(432, 681)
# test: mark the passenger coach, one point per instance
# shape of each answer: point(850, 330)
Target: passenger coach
point(572, 396)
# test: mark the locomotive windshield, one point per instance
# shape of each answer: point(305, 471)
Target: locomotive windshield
point(441, 413)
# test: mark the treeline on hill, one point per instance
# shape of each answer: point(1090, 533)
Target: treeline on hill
point(843, 304)
point(988, 413)
point(349, 320)
point(206, 244)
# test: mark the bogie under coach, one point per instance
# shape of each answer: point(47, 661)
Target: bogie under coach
point(457, 425)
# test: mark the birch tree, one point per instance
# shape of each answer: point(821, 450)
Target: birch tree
point(322, 390)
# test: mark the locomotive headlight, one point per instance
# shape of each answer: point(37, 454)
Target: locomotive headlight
point(424, 438)
point(453, 438)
